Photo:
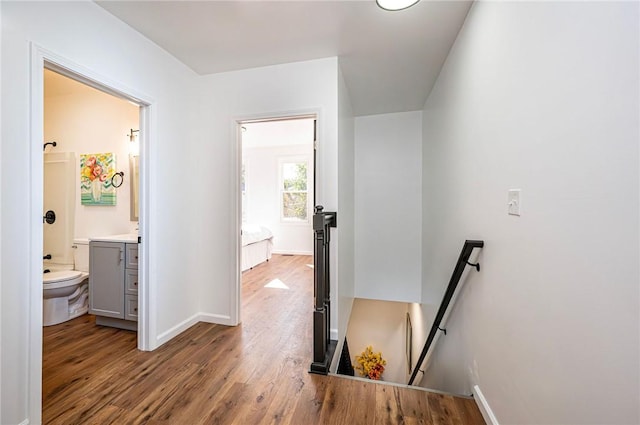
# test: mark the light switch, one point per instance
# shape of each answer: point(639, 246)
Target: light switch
point(513, 201)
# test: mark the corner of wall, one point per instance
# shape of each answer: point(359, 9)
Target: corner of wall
point(176, 330)
point(346, 213)
point(483, 406)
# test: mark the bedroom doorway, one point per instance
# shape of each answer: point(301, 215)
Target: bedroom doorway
point(277, 192)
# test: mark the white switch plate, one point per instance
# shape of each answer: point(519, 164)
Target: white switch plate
point(513, 202)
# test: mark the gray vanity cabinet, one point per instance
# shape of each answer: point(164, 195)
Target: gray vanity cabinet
point(113, 283)
point(131, 283)
point(106, 270)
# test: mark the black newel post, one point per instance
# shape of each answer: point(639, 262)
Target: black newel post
point(323, 346)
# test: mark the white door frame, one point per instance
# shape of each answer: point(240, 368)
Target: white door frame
point(236, 198)
point(41, 59)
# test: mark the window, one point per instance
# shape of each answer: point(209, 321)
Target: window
point(294, 206)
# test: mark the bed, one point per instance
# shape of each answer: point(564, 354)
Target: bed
point(257, 244)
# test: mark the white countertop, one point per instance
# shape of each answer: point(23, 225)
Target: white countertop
point(125, 237)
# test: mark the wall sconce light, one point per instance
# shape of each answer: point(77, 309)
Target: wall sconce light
point(132, 135)
point(134, 144)
point(395, 4)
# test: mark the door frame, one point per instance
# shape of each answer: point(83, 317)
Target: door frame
point(42, 59)
point(236, 197)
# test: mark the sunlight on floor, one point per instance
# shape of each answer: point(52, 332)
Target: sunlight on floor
point(276, 283)
point(309, 265)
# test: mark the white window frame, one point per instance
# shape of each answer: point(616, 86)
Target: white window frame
point(294, 160)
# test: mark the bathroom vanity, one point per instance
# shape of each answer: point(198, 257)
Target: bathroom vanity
point(113, 280)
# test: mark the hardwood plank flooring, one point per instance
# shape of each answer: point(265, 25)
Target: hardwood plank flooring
point(255, 373)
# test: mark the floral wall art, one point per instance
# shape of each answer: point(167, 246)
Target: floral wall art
point(96, 171)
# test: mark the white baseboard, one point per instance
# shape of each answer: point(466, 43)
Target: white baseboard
point(333, 334)
point(484, 407)
point(176, 330)
point(285, 252)
point(333, 367)
point(187, 323)
point(218, 319)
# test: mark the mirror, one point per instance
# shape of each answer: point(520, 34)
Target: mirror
point(134, 170)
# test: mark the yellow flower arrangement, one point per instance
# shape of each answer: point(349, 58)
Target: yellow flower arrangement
point(370, 364)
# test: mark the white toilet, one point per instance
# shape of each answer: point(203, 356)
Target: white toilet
point(66, 286)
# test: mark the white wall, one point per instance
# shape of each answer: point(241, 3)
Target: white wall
point(263, 199)
point(281, 90)
point(382, 325)
point(543, 97)
point(422, 316)
point(85, 120)
point(83, 33)
point(388, 204)
point(346, 215)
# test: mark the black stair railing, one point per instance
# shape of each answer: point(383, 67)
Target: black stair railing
point(323, 345)
point(463, 261)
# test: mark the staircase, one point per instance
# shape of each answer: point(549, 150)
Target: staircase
point(440, 407)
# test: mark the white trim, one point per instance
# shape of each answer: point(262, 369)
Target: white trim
point(42, 58)
point(176, 330)
point(285, 116)
point(147, 324)
point(335, 361)
point(333, 334)
point(25, 422)
point(484, 407)
point(34, 276)
point(295, 159)
point(337, 355)
point(235, 284)
point(218, 319)
point(187, 323)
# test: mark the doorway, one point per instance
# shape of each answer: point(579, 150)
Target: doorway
point(100, 132)
point(277, 194)
point(97, 134)
point(41, 60)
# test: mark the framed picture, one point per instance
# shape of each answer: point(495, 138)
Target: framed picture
point(96, 171)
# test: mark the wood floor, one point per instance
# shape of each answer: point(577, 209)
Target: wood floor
point(251, 374)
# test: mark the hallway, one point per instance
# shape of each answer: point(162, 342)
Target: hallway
point(250, 374)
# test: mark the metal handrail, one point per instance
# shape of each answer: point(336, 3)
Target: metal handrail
point(463, 261)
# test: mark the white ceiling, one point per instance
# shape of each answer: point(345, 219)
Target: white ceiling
point(390, 60)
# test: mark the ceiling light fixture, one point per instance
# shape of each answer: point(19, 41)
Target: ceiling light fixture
point(395, 4)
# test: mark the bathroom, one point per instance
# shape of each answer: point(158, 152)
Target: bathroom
point(96, 137)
